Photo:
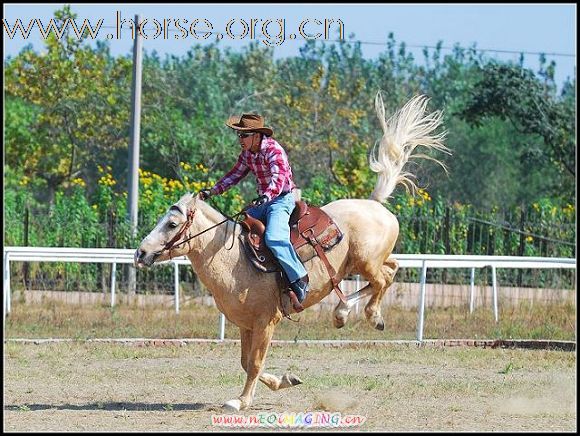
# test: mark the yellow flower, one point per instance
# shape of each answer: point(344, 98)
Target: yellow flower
point(79, 181)
point(569, 209)
point(529, 239)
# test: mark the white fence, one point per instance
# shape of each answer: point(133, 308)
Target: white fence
point(115, 256)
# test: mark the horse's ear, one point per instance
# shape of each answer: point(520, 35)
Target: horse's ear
point(194, 197)
point(179, 208)
point(186, 202)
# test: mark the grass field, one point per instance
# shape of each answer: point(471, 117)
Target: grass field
point(60, 320)
point(83, 386)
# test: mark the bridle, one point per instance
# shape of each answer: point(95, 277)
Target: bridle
point(171, 244)
point(190, 214)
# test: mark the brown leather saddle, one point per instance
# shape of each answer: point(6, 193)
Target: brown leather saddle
point(312, 232)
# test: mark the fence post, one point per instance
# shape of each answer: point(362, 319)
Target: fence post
point(356, 308)
point(176, 285)
point(26, 241)
point(113, 282)
point(6, 285)
point(494, 284)
point(472, 291)
point(422, 302)
point(222, 326)
point(446, 239)
point(522, 243)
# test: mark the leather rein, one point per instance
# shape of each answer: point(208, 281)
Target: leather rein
point(190, 214)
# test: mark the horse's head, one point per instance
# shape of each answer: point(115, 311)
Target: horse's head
point(163, 242)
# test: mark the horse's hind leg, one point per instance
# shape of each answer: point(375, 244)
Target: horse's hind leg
point(342, 310)
point(380, 282)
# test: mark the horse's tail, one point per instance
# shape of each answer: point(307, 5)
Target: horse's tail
point(405, 130)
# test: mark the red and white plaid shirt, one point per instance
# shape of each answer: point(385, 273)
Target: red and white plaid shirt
point(270, 166)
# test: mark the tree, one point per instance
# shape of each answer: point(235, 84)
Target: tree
point(76, 99)
point(512, 93)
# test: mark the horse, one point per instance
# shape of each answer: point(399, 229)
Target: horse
point(251, 299)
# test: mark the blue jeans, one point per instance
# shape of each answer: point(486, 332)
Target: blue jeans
point(275, 214)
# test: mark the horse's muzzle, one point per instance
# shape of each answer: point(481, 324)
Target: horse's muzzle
point(142, 259)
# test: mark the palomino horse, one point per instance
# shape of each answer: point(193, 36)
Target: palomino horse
point(251, 299)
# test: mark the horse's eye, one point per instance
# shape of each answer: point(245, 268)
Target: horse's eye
point(172, 225)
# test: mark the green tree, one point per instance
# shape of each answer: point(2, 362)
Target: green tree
point(75, 98)
point(512, 93)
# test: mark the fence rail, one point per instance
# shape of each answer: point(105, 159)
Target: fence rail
point(116, 256)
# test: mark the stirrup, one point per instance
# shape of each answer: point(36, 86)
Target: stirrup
point(294, 299)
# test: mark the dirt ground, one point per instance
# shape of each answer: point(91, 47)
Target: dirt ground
point(108, 387)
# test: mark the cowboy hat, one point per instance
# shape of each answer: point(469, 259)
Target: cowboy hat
point(249, 123)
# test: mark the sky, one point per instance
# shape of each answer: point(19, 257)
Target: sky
point(503, 30)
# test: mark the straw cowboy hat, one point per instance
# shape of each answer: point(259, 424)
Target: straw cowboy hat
point(249, 123)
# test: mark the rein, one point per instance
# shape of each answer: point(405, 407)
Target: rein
point(172, 244)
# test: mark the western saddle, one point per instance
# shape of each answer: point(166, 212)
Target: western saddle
point(312, 232)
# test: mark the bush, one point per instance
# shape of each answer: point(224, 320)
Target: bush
point(427, 225)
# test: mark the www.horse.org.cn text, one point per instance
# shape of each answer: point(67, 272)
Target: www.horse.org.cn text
point(270, 31)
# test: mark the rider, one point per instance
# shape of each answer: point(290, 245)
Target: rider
point(266, 159)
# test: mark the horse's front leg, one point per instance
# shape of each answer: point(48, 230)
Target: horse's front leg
point(260, 342)
point(273, 382)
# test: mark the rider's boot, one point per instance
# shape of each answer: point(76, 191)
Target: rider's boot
point(298, 291)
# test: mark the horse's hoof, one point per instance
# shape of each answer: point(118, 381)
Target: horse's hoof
point(340, 317)
point(377, 322)
point(289, 380)
point(232, 406)
point(338, 322)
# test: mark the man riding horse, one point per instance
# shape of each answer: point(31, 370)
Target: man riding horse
point(266, 159)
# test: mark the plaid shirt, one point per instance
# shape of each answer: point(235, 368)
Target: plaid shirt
point(270, 166)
